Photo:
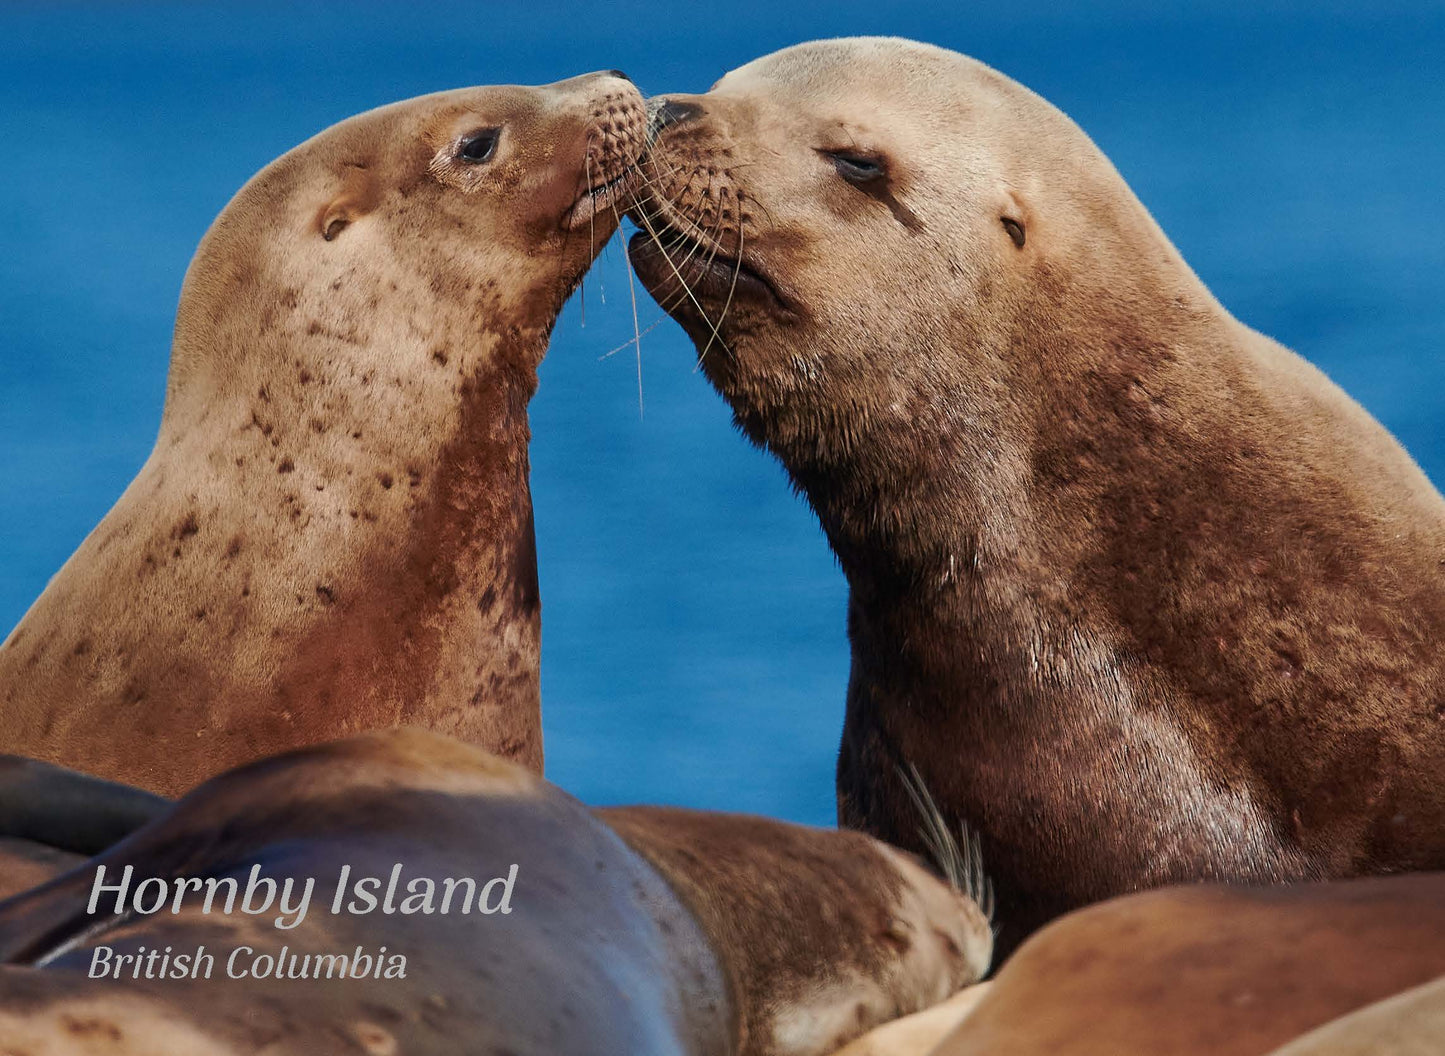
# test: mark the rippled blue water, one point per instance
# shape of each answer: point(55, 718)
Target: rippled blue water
point(694, 647)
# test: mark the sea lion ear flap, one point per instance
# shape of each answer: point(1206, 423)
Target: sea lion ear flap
point(1013, 216)
point(357, 197)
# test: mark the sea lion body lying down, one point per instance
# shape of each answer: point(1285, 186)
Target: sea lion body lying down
point(334, 530)
point(1407, 1024)
point(52, 819)
point(1211, 969)
point(1143, 595)
point(628, 930)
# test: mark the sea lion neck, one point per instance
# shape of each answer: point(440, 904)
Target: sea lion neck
point(334, 530)
point(961, 484)
point(354, 488)
point(873, 497)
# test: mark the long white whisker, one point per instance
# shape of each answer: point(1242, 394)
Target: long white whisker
point(633, 340)
point(632, 293)
point(678, 275)
point(737, 270)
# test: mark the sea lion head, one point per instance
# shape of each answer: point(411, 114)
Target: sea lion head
point(426, 231)
point(854, 230)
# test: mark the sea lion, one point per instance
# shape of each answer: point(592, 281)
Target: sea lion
point(1144, 596)
point(52, 819)
point(823, 934)
point(709, 951)
point(920, 1033)
point(1210, 969)
point(29, 863)
point(70, 811)
point(1408, 1024)
point(335, 523)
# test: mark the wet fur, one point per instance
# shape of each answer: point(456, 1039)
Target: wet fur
point(598, 954)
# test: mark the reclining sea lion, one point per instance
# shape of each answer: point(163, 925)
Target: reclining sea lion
point(629, 930)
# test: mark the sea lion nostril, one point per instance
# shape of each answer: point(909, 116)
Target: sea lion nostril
point(672, 112)
point(619, 74)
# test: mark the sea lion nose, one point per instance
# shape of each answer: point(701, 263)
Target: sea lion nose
point(665, 112)
point(620, 75)
point(672, 112)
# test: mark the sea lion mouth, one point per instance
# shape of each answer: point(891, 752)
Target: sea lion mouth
point(680, 271)
point(596, 198)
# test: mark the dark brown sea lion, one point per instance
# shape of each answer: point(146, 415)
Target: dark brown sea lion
point(1143, 594)
point(744, 936)
point(335, 523)
point(52, 819)
point(1210, 969)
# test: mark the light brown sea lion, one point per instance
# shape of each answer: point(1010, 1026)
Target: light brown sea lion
point(823, 934)
point(335, 523)
point(1408, 1024)
point(745, 936)
point(1209, 969)
point(920, 1033)
point(1144, 595)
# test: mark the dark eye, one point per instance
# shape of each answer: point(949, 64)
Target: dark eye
point(856, 168)
point(1015, 231)
point(478, 147)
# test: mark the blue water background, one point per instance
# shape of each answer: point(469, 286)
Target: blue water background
point(694, 648)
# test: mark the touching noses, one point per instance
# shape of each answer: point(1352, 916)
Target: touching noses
point(667, 112)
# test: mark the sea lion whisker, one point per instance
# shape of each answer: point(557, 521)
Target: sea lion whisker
point(592, 215)
point(713, 239)
point(670, 173)
point(630, 341)
point(711, 248)
point(983, 891)
point(674, 220)
point(732, 289)
point(711, 242)
point(963, 868)
point(707, 242)
point(636, 329)
point(960, 859)
point(702, 312)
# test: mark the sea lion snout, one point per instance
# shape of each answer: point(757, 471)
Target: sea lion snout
point(613, 137)
point(552, 155)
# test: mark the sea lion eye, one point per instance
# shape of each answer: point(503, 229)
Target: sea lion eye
point(1015, 231)
point(478, 147)
point(856, 168)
